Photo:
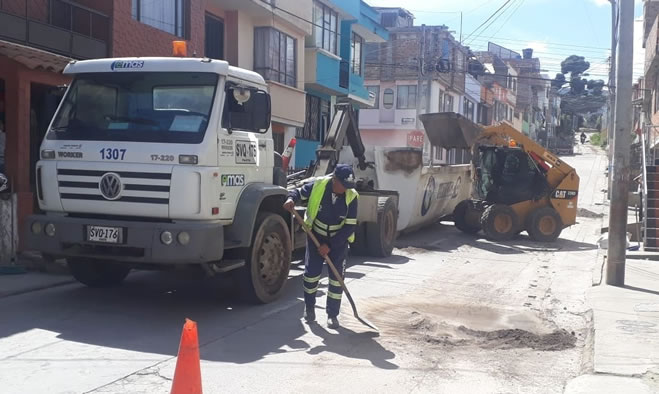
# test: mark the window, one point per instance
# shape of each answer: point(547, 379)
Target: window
point(406, 97)
point(214, 46)
point(468, 107)
point(325, 27)
point(166, 15)
point(79, 20)
point(375, 91)
point(448, 103)
point(356, 45)
point(275, 56)
point(317, 119)
point(439, 153)
point(388, 98)
point(157, 107)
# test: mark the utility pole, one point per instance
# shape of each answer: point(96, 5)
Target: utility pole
point(612, 92)
point(615, 268)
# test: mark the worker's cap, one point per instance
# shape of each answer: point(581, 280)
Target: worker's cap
point(344, 174)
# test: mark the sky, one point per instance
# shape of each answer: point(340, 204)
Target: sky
point(555, 29)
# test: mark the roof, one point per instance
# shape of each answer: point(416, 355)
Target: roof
point(161, 64)
point(33, 58)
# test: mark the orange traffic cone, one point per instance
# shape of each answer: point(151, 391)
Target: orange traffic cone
point(187, 376)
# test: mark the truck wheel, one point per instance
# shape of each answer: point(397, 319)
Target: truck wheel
point(381, 236)
point(360, 246)
point(544, 225)
point(461, 221)
point(95, 273)
point(500, 222)
point(268, 260)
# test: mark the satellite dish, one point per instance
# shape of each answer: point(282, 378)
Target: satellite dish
point(241, 95)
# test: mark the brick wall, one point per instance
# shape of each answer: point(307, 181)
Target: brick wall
point(132, 38)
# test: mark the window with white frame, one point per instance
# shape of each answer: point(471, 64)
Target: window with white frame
point(388, 98)
point(406, 97)
point(448, 103)
point(275, 55)
point(468, 107)
point(374, 91)
point(165, 15)
point(356, 46)
point(325, 27)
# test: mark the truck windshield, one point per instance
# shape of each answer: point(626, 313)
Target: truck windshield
point(137, 106)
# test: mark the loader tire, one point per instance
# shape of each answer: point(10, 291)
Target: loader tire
point(500, 222)
point(268, 260)
point(544, 225)
point(460, 219)
point(381, 236)
point(360, 246)
point(97, 273)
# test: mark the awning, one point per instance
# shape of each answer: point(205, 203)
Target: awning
point(450, 130)
point(33, 58)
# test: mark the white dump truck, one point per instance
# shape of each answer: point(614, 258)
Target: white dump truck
point(168, 163)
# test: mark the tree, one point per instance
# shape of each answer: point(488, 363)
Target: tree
point(595, 86)
point(578, 85)
point(559, 81)
point(575, 65)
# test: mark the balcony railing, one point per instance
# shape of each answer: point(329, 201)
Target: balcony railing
point(62, 28)
point(344, 74)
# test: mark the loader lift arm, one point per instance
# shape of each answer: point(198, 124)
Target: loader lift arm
point(344, 124)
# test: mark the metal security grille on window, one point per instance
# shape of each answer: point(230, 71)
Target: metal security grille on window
point(166, 15)
point(356, 45)
point(275, 55)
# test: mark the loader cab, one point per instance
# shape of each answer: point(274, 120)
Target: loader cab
point(508, 175)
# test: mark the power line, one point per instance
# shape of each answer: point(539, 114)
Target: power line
point(510, 16)
point(488, 19)
point(508, 7)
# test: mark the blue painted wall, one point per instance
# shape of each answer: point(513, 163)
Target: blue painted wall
point(327, 72)
point(305, 152)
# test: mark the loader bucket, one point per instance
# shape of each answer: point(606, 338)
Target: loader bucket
point(450, 130)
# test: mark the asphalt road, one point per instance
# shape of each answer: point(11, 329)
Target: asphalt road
point(457, 314)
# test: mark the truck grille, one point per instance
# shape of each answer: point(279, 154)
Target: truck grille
point(135, 187)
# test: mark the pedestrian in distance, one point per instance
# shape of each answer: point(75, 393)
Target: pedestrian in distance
point(332, 216)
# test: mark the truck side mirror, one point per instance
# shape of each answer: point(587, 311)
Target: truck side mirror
point(4, 183)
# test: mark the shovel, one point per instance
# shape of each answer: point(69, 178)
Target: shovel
point(338, 276)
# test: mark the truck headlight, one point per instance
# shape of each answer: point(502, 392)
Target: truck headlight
point(183, 238)
point(188, 159)
point(47, 154)
point(166, 238)
point(50, 230)
point(36, 228)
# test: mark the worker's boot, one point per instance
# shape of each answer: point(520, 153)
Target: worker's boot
point(333, 322)
point(309, 314)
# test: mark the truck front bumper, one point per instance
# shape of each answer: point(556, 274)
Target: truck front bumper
point(141, 241)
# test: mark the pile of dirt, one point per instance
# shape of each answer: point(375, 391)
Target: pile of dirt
point(584, 213)
point(429, 331)
point(516, 339)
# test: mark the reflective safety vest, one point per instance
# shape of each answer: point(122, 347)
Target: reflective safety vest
point(313, 206)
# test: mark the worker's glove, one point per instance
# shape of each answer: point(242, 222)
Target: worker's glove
point(323, 250)
point(289, 205)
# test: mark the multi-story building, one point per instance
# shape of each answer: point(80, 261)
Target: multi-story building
point(419, 69)
point(651, 77)
point(501, 81)
point(334, 67)
point(39, 37)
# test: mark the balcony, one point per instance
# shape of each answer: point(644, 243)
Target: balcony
point(62, 27)
point(325, 72)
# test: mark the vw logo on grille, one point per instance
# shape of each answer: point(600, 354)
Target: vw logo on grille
point(110, 186)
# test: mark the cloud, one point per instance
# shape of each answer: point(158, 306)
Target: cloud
point(601, 3)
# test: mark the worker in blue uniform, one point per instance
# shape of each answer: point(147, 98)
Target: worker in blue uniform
point(332, 216)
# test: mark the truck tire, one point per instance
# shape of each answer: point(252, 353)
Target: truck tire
point(268, 260)
point(544, 225)
point(460, 219)
point(97, 273)
point(381, 236)
point(500, 222)
point(360, 246)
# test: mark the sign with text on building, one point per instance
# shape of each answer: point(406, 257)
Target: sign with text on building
point(415, 139)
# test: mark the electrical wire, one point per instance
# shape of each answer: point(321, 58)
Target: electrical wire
point(482, 33)
point(488, 19)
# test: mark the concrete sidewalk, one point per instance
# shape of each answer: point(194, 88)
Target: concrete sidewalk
point(32, 274)
point(626, 334)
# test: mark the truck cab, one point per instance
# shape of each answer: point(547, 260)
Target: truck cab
point(161, 163)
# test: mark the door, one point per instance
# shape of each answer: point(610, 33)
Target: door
point(214, 46)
